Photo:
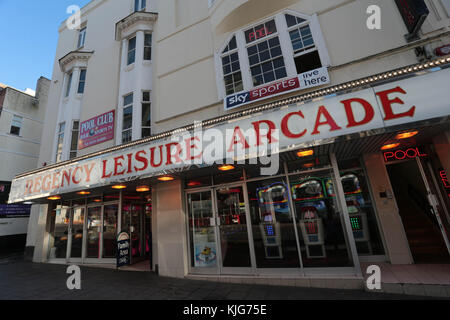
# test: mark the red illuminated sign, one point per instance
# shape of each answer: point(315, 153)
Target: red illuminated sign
point(445, 182)
point(258, 34)
point(410, 153)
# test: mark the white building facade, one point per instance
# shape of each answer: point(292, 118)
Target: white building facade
point(347, 108)
point(21, 124)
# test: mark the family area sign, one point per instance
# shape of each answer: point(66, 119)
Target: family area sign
point(287, 128)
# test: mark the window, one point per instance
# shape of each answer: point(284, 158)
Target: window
point(16, 125)
point(127, 124)
point(139, 5)
point(82, 81)
point(231, 68)
point(69, 84)
point(146, 115)
point(81, 38)
point(131, 51)
point(74, 140)
point(306, 55)
point(60, 142)
point(275, 49)
point(266, 61)
point(148, 47)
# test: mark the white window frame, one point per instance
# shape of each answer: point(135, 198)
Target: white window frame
point(68, 84)
point(144, 102)
point(73, 131)
point(60, 138)
point(141, 5)
point(123, 116)
point(131, 50)
point(151, 47)
point(286, 48)
point(16, 122)
point(81, 38)
point(82, 81)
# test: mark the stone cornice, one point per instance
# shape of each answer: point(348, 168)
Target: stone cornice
point(82, 56)
point(135, 18)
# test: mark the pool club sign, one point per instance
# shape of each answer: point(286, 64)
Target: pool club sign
point(96, 130)
point(304, 80)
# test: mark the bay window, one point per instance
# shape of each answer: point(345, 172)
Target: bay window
point(281, 47)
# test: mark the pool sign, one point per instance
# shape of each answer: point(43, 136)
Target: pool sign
point(96, 130)
point(304, 80)
point(123, 249)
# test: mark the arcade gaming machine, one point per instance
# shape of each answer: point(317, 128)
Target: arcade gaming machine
point(355, 204)
point(308, 197)
point(273, 204)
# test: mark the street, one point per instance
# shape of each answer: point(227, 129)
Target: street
point(21, 279)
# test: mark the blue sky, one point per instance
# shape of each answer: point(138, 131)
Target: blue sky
point(29, 35)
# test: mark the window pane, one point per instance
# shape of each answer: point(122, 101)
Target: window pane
point(110, 231)
point(94, 226)
point(290, 20)
point(146, 132)
point(81, 87)
point(233, 44)
point(60, 232)
point(127, 118)
point(126, 136)
point(319, 221)
point(69, 84)
point(147, 53)
point(148, 40)
point(15, 130)
point(128, 99)
point(146, 120)
point(77, 232)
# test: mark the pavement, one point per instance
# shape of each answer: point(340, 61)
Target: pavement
point(24, 280)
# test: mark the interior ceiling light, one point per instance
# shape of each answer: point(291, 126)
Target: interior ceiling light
point(166, 178)
point(54, 198)
point(305, 153)
point(226, 167)
point(83, 193)
point(390, 146)
point(194, 184)
point(142, 188)
point(119, 186)
point(406, 135)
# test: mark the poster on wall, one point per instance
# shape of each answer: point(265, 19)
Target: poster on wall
point(205, 254)
point(96, 130)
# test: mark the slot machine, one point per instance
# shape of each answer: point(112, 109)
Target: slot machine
point(308, 197)
point(273, 204)
point(355, 204)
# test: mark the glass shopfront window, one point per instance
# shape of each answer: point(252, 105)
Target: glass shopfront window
point(360, 206)
point(94, 225)
point(319, 221)
point(77, 232)
point(110, 216)
point(59, 231)
point(272, 224)
point(203, 248)
point(290, 220)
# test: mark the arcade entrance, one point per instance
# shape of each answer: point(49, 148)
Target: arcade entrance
point(422, 210)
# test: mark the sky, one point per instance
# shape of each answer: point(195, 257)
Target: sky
point(28, 39)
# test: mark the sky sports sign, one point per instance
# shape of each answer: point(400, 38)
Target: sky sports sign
point(313, 78)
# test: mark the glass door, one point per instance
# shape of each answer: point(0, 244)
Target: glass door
point(77, 229)
point(436, 204)
point(132, 222)
point(93, 232)
point(203, 247)
point(232, 229)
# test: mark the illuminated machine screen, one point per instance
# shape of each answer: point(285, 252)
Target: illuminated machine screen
point(269, 229)
point(356, 223)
